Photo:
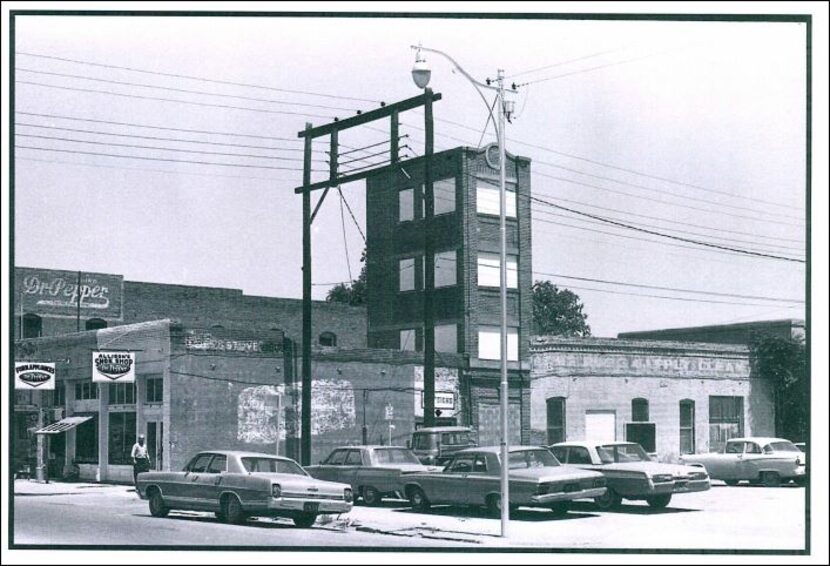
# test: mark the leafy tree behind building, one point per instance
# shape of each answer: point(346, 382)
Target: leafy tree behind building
point(783, 361)
point(558, 311)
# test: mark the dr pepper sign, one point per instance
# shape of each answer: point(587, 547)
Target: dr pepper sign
point(113, 367)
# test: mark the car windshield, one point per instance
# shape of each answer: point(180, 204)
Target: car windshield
point(423, 441)
point(395, 456)
point(456, 438)
point(522, 459)
point(784, 446)
point(272, 465)
point(616, 453)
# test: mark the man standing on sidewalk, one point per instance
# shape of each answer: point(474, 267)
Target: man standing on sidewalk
point(141, 459)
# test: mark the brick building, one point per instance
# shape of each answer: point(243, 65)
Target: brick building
point(739, 333)
point(466, 239)
point(672, 397)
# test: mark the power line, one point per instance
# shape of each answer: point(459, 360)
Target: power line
point(156, 127)
point(561, 63)
point(191, 102)
point(655, 287)
point(194, 78)
point(162, 159)
point(151, 147)
point(349, 208)
point(345, 240)
point(185, 90)
point(655, 233)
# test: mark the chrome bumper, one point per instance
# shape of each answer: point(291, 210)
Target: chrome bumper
point(567, 496)
point(304, 505)
point(679, 487)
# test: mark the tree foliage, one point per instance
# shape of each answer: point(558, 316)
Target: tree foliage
point(784, 362)
point(353, 293)
point(558, 311)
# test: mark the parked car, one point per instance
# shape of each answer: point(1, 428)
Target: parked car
point(236, 485)
point(374, 472)
point(769, 461)
point(435, 445)
point(802, 446)
point(630, 473)
point(472, 477)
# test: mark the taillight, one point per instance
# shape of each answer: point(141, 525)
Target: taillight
point(347, 495)
point(276, 491)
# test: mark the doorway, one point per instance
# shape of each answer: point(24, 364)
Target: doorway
point(155, 444)
point(600, 426)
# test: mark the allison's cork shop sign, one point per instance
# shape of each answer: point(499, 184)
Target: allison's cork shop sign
point(34, 375)
point(109, 367)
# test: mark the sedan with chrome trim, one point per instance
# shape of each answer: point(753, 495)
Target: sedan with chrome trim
point(237, 485)
point(630, 472)
point(473, 477)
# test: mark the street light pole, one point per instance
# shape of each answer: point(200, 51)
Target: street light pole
point(421, 75)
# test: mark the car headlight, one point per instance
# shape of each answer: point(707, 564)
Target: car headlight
point(347, 495)
point(661, 478)
point(699, 476)
point(276, 491)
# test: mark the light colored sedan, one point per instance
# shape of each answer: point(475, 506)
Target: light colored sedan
point(374, 472)
point(237, 485)
point(630, 472)
point(769, 461)
point(473, 477)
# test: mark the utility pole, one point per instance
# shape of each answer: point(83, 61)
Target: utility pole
point(78, 314)
point(429, 268)
point(305, 409)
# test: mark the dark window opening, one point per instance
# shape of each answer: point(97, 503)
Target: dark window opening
point(86, 442)
point(687, 426)
point(556, 420)
point(32, 326)
point(122, 394)
point(639, 410)
point(95, 324)
point(121, 436)
point(154, 387)
point(726, 420)
point(328, 339)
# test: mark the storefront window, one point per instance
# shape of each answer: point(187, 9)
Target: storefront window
point(121, 436)
point(122, 394)
point(85, 390)
point(86, 441)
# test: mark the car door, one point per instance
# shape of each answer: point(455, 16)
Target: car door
point(208, 484)
point(482, 480)
point(728, 464)
point(750, 464)
point(351, 466)
point(330, 469)
point(191, 488)
point(453, 488)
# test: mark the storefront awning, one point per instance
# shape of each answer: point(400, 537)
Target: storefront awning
point(62, 425)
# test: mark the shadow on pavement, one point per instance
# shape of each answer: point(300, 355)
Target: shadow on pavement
point(633, 509)
point(527, 515)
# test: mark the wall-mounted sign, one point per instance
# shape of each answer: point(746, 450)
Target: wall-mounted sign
point(444, 400)
point(57, 293)
point(390, 412)
point(109, 367)
point(34, 375)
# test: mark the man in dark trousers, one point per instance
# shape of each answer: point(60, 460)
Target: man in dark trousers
point(141, 458)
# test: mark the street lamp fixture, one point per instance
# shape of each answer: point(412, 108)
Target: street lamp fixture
point(421, 75)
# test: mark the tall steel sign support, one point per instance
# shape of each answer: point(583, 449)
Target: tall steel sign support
point(335, 179)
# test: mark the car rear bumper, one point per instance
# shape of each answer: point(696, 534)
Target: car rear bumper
point(309, 505)
point(567, 496)
point(689, 486)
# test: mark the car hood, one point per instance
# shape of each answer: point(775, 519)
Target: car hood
point(651, 468)
point(415, 468)
point(553, 473)
point(293, 483)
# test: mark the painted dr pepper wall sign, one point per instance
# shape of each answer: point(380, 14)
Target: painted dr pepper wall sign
point(57, 293)
point(109, 367)
point(34, 375)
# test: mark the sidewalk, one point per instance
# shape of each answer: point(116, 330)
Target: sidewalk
point(26, 487)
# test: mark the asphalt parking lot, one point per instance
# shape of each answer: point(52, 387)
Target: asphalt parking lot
point(723, 518)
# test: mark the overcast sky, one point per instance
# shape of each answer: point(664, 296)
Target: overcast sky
point(693, 130)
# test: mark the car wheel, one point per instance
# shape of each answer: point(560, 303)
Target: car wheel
point(305, 520)
point(731, 483)
point(771, 479)
point(371, 496)
point(232, 510)
point(608, 500)
point(493, 504)
point(157, 506)
point(561, 508)
point(418, 499)
point(659, 501)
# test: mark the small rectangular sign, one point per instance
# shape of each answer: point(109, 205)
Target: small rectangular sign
point(444, 400)
point(113, 367)
point(34, 375)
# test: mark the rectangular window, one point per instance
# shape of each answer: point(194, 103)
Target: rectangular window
point(406, 205)
point(556, 420)
point(488, 270)
point(443, 192)
point(121, 436)
point(489, 343)
point(687, 427)
point(488, 202)
point(726, 420)
point(644, 434)
point(85, 390)
point(446, 338)
point(154, 387)
point(446, 271)
point(122, 394)
point(86, 441)
point(408, 340)
point(59, 395)
point(406, 269)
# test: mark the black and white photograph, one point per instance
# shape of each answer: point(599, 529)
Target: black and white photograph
point(356, 282)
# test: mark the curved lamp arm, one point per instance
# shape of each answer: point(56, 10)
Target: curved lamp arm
point(478, 85)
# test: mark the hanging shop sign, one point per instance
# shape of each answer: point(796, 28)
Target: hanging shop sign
point(34, 375)
point(109, 367)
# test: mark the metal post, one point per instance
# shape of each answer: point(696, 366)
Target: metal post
point(505, 486)
point(78, 316)
point(365, 430)
point(393, 138)
point(42, 459)
point(429, 268)
point(305, 447)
